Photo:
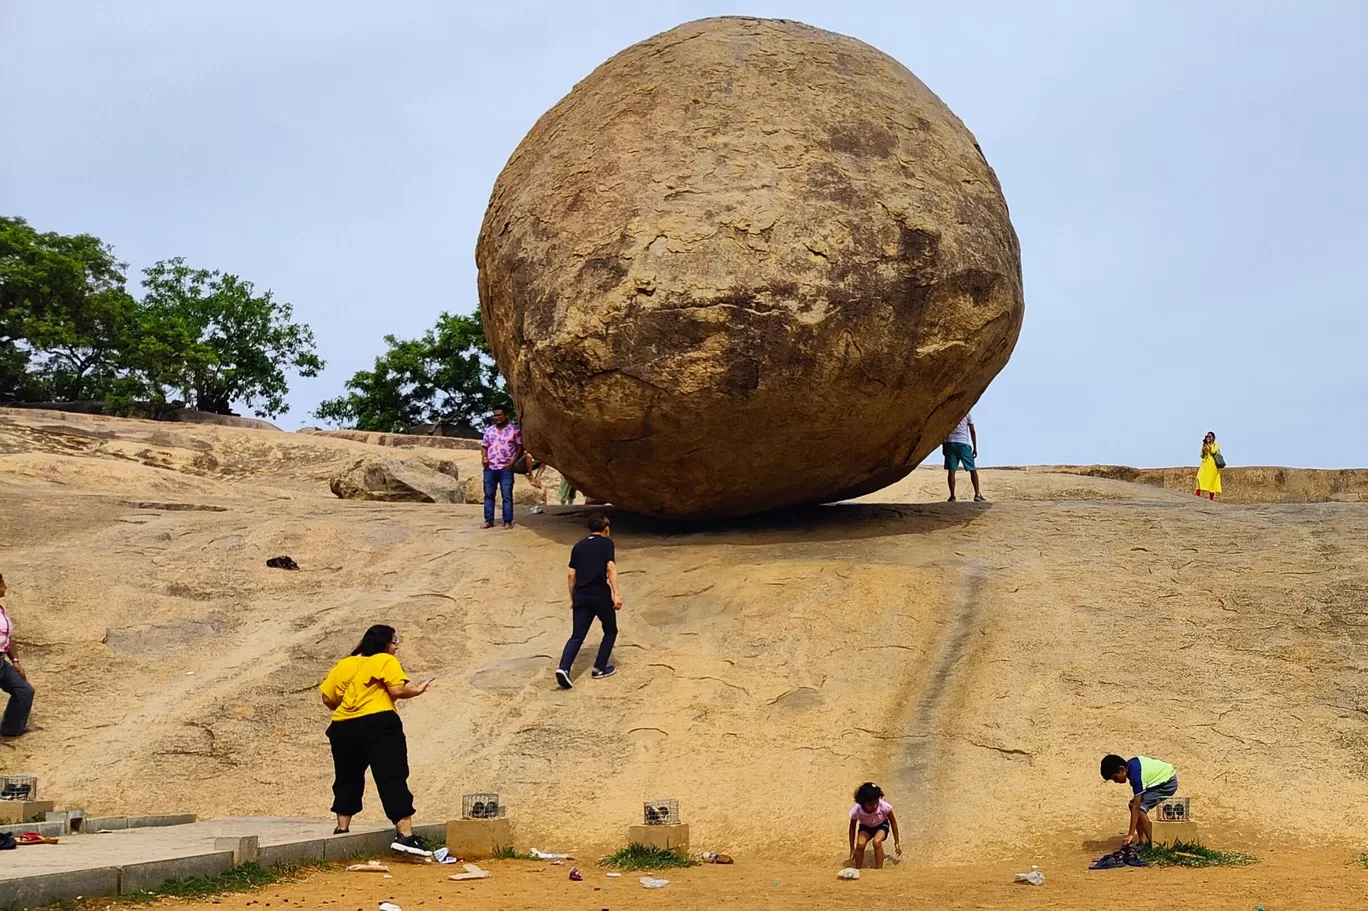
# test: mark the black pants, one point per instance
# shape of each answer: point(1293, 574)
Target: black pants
point(585, 611)
point(375, 742)
point(20, 700)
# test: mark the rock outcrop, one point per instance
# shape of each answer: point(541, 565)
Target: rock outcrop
point(743, 264)
point(398, 481)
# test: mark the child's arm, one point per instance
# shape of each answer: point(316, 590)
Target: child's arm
point(853, 826)
point(897, 839)
point(1134, 820)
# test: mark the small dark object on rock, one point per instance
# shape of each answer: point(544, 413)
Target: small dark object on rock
point(282, 563)
point(575, 875)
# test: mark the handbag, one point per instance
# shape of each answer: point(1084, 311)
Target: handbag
point(1218, 459)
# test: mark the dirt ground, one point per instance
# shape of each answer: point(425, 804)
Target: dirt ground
point(1324, 881)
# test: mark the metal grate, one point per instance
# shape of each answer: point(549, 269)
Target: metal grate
point(1173, 809)
point(18, 787)
point(664, 812)
point(481, 806)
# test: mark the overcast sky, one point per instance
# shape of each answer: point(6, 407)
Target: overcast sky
point(1187, 179)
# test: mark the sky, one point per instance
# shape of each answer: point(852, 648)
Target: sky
point(1186, 178)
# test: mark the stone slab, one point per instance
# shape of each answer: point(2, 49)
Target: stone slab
point(666, 838)
point(148, 876)
point(120, 823)
point(50, 888)
point(292, 854)
point(478, 837)
point(1166, 833)
point(245, 848)
point(17, 811)
point(45, 829)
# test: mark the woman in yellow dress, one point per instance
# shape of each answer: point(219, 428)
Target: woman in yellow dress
point(1208, 475)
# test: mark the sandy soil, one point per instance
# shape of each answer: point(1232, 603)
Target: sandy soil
point(976, 660)
point(1322, 881)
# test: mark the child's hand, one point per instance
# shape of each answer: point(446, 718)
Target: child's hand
point(897, 848)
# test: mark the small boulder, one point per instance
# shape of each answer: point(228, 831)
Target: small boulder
point(397, 481)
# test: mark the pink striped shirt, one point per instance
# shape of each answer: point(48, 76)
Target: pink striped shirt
point(6, 628)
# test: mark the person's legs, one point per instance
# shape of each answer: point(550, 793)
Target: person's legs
point(491, 478)
point(950, 480)
point(349, 771)
point(1211, 495)
point(20, 703)
point(878, 840)
point(608, 620)
point(506, 491)
point(389, 767)
point(861, 842)
point(973, 476)
point(583, 617)
point(1144, 830)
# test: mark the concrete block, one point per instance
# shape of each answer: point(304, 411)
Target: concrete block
point(245, 848)
point(120, 823)
point(148, 876)
point(470, 838)
point(292, 854)
point(1166, 833)
point(50, 888)
point(666, 838)
point(16, 811)
point(45, 829)
point(71, 820)
point(358, 844)
point(432, 833)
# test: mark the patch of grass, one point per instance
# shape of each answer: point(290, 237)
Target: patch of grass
point(1182, 854)
point(1363, 858)
point(508, 852)
point(643, 857)
point(247, 878)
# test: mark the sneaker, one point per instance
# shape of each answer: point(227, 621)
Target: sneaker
point(411, 844)
point(980, 498)
point(1109, 862)
point(608, 671)
point(952, 499)
point(341, 831)
point(563, 679)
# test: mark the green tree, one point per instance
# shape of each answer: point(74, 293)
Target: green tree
point(447, 375)
point(208, 336)
point(66, 320)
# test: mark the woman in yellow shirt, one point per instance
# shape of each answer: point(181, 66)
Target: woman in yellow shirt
point(366, 732)
point(1208, 474)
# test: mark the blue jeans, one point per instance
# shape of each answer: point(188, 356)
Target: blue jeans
point(20, 700)
point(502, 480)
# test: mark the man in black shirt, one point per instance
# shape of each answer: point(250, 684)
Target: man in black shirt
point(593, 593)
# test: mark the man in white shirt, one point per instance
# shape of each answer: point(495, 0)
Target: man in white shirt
point(961, 448)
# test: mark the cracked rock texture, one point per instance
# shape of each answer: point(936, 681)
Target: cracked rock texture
point(745, 264)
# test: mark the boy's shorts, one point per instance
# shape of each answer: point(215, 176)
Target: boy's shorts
point(1150, 797)
point(961, 453)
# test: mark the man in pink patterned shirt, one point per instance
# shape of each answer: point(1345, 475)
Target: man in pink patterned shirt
point(500, 450)
point(13, 679)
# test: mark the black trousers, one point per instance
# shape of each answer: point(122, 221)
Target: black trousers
point(375, 742)
point(585, 612)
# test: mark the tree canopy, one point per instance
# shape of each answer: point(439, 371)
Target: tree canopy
point(447, 375)
point(70, 330)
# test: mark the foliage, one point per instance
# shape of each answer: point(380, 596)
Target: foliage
point(236, 344)
point(65, 317)
point(447, 375)
point(70, 331)
point(644, 857)
point(508, 852)
point(1182, 854)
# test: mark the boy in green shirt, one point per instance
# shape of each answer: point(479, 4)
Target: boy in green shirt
point(1151, 780)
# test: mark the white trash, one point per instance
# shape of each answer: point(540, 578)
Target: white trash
point(542, 855)
point(653, 883)
point(390, 906)
point(1034, 878)
point(848, 873)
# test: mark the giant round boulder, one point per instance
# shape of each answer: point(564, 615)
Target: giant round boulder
point(746, 264)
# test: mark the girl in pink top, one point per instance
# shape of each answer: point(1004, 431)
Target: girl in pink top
point(870, 820)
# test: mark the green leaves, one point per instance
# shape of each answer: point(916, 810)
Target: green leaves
point(70, 331)
point(447, 375)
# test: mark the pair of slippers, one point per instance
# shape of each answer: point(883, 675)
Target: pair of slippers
point(1126, 857)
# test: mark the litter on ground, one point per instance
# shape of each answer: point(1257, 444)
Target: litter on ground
point(542, 855)
point(650, 883)
point(848, 873)
point(471, 872)
point(372, 867)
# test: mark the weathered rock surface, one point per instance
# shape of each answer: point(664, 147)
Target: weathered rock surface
point(524, 493)
point(743, 264)
point(398, 481)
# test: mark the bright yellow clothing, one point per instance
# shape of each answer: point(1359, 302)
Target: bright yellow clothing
point(1208, 475)
point(357, 684)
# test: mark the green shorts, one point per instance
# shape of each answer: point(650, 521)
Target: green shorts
point(958, 453)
